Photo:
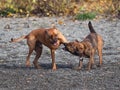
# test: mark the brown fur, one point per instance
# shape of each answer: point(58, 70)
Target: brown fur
point(52, 38)
point(87, 47)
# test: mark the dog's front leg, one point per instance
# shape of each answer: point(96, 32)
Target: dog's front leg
point(53, 59)
point(91, 60)
point(80, 63)
point(89, 64)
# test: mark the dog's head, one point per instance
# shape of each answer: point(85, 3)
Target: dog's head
point(75, 48)
point(52, 36)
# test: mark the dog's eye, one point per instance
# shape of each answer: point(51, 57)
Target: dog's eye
point(56, 35)
point(50, 36)
point(72, 46)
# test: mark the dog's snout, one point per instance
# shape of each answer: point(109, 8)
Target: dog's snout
point(55, 40)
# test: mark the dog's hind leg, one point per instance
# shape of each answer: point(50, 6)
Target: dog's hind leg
point(91, 60)
point(31, 44)
point(38, 50)
point(100, 55)
point(99, 48)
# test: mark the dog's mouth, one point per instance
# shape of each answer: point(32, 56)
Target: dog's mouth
point(55, 44)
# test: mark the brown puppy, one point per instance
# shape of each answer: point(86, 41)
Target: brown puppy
point(52, 38)
point(87, 47)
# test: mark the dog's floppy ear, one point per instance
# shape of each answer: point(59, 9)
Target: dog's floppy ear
point(46, 33)
point(53, 26)
point(76, 40)
point(76, 49)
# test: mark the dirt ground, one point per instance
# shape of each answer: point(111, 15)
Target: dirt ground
point(14, 75)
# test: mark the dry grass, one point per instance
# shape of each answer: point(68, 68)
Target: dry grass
point(57, 7)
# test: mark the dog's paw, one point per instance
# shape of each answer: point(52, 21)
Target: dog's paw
point(28, 64)
point(98, 65)
point(54, 69)
point(37, 67)
point(77, 68)
point(94, 67)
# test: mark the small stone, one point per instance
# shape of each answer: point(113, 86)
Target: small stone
point(26, 25)
point(7, 27)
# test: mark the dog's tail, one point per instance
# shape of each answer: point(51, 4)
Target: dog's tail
point(18, 39)
point(91, 27)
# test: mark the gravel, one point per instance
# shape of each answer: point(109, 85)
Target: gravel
point(14, 75)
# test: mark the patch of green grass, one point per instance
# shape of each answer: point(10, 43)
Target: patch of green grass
point(85, 16)
point(6, 11)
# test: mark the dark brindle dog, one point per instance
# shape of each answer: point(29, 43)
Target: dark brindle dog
point(87, 47)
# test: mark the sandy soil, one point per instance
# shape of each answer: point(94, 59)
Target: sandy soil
point(14, 75)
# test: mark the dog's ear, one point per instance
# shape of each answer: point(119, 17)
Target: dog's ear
point(76, 40)
point(53, 26)
point(76, 49)
point(46, 33)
